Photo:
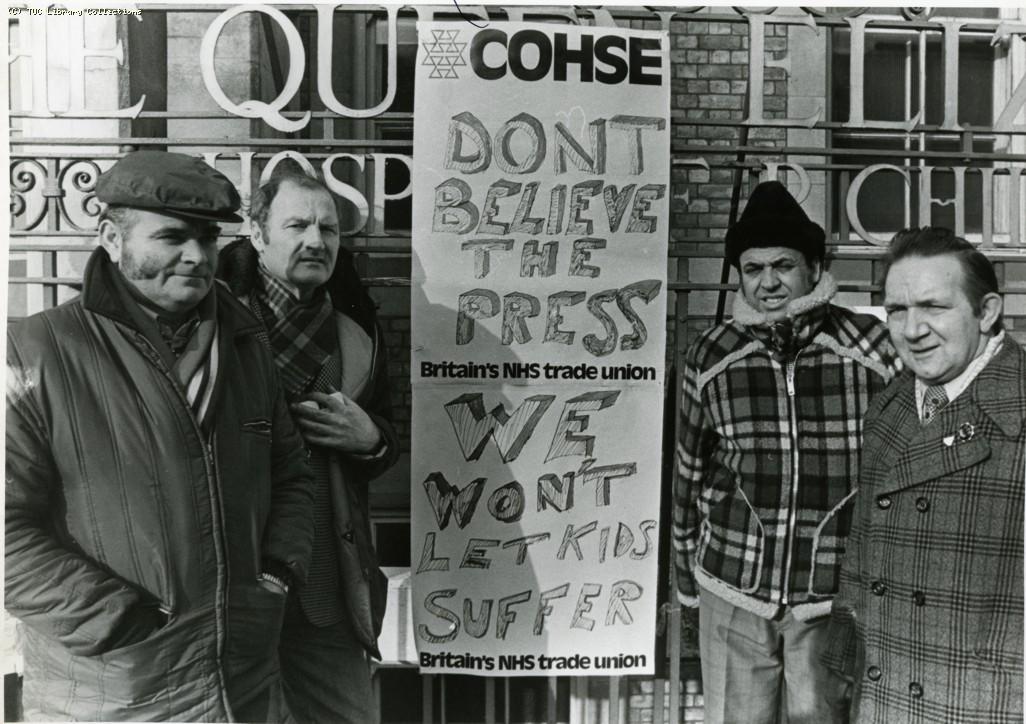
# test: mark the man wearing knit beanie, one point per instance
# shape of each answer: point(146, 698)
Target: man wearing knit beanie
point(767, 464)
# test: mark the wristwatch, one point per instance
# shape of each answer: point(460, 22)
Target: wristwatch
point(276, 580)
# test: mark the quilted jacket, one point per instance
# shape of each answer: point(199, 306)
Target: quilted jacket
point(767, 460)
point(116, 498)
point(929, 619)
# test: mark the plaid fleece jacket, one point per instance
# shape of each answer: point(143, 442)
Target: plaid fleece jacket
point(928, 621)
point(767, 461)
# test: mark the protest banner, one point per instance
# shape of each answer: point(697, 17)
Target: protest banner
point(539, 298)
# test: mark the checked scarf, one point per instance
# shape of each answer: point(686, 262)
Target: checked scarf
point(301, 335)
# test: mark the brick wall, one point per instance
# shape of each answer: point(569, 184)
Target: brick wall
point(710, 71)
point(642, 692)
point(397, 338)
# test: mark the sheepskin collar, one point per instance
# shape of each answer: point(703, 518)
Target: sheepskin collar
point(805, 316)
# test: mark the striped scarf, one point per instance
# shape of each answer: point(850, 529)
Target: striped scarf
point(301, 334)
point(191, 351)
point(197, 365)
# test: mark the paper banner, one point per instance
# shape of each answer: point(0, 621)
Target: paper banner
point(541, 177)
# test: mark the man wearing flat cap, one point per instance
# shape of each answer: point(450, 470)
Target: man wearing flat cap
point(767, 466)
point(158, 499)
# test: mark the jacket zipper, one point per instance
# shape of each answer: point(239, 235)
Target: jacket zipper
point(374, 354)
point(792, 512)
point(220, 612)
point(210, 468)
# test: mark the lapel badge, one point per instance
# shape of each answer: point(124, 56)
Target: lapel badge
point(965, 433)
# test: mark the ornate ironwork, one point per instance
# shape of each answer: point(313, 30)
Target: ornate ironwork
point(26, 175)
point(84, 175)
point(60, 192)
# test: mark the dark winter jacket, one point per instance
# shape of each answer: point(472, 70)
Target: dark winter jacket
point(767, 462)
point(365, 380)
point(116, 499)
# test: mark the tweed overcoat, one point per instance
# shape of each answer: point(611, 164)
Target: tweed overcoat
point(929, 618)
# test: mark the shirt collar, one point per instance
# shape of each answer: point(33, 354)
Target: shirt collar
point(954, 388)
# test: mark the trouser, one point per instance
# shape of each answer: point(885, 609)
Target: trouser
point(325, 672)
point(762, 671)
point(265, 705)
point(253, 682)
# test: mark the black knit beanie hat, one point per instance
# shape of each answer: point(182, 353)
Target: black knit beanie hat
point(773, 218)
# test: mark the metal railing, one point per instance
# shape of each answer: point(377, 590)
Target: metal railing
point(53, 211)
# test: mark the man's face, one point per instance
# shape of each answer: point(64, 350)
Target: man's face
point(931, 320)
point(773, 276)
point(169, 260)
point(298, 243)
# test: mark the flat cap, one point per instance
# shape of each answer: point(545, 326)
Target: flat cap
point(170, 183)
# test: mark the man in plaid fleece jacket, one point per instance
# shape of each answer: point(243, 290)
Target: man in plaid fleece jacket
point(767, 465)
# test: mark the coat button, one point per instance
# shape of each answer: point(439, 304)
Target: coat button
point(878, 588)
point(883, 502)
point(873, 673)
point(919, 598)
point(922, 505)
point(916, 690)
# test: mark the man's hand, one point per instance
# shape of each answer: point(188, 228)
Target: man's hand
point(336, 422)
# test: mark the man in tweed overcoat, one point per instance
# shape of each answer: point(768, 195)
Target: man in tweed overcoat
point(929, 620)
point(767, 464)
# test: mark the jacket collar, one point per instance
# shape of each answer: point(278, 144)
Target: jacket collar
point(998, 390)
point(820, 295)
point(805, 316)
point(100, 296)
point(915, 453)
point(238, 265)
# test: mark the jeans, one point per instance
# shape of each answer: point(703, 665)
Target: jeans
point(762, 671)
point(325, 672)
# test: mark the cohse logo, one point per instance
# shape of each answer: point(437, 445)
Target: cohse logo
point(606, 58)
